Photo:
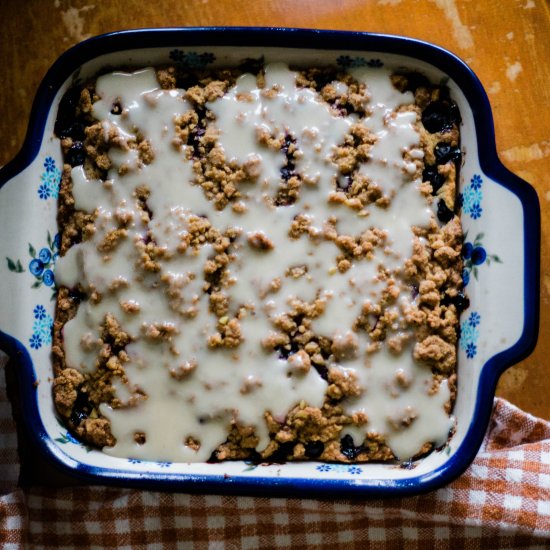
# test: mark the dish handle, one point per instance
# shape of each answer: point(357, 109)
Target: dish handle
point(501, 269)
point(28, 251)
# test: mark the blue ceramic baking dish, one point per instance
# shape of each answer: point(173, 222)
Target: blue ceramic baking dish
point(500, 215)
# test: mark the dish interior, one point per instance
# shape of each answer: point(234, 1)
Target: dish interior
point(494, 285)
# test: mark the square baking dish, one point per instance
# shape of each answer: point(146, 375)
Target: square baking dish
point(500, 216)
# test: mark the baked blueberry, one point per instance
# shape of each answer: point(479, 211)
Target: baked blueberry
point(314, 449)
point(348, 448)
point(81, 408)
point(76, 154)
point(444, 213)
point(436, 179)
point(444, 153)
point(439, 116)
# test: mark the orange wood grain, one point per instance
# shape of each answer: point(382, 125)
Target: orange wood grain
point(507, 43)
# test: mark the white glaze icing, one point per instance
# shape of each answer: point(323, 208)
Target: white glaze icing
point(202, 405)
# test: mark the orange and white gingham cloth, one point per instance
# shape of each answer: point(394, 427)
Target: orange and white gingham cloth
point(502, 501)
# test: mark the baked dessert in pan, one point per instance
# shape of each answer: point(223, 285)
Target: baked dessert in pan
point(258, 263)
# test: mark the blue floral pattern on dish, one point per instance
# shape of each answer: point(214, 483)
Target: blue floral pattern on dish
point(41, 328)
point(50, 180)
point(348, 62)
point(192, 60)
point(67, 437)
point(339, 468)
point(41, 263)
point(469, 334)
point(474, 255)
point(471, 198)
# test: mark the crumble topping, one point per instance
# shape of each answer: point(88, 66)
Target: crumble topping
point(258, 266)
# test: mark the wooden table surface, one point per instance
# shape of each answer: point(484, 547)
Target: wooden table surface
point(507, 44)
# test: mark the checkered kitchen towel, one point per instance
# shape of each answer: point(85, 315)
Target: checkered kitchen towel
point(502, 501)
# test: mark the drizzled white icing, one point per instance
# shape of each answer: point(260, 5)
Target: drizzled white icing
point(242, 383)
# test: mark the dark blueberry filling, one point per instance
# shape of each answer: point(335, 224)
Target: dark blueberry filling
point(460, 301)
point(195, 137)
point(65, 122)
point(322, 371)
point(440, 116)
point(314, 449)
point(436, 179)
point(76, 155)
point(116, 109)
point(186, 80)
point(213, 458)
point(407, 465)
point(324, 78)
point(414, 81)
point(284, 352)
point(287, 171)
point(348, 448)
point(444, 153)
point(444, 213)
point(345, 108)
point(281, 454)
point(251, 65)
point(76, 295)
point(81, 409)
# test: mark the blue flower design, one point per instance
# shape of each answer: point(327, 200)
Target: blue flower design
point(474, 319)
point(476, 211)
point(35, 341)
point(44, 255)
point(471, 350)
point(39, 312)
point(36, 267)
point(49, 164)
point(375, 63)
point(164, 464)
point(41, 263)
point(324, 467)
point(345, 61)
point(43, 328)
point(192, 59)
point(469, 334)
point(51, 180)
point(476, 181)
point(354, 470)
point(470, 199)
point(134, 461)
point(208, 57)
point(176, 55)
point(71, 439)
point(44, 192)
point(479, 255)
point(48, 277)
point(475, 254)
